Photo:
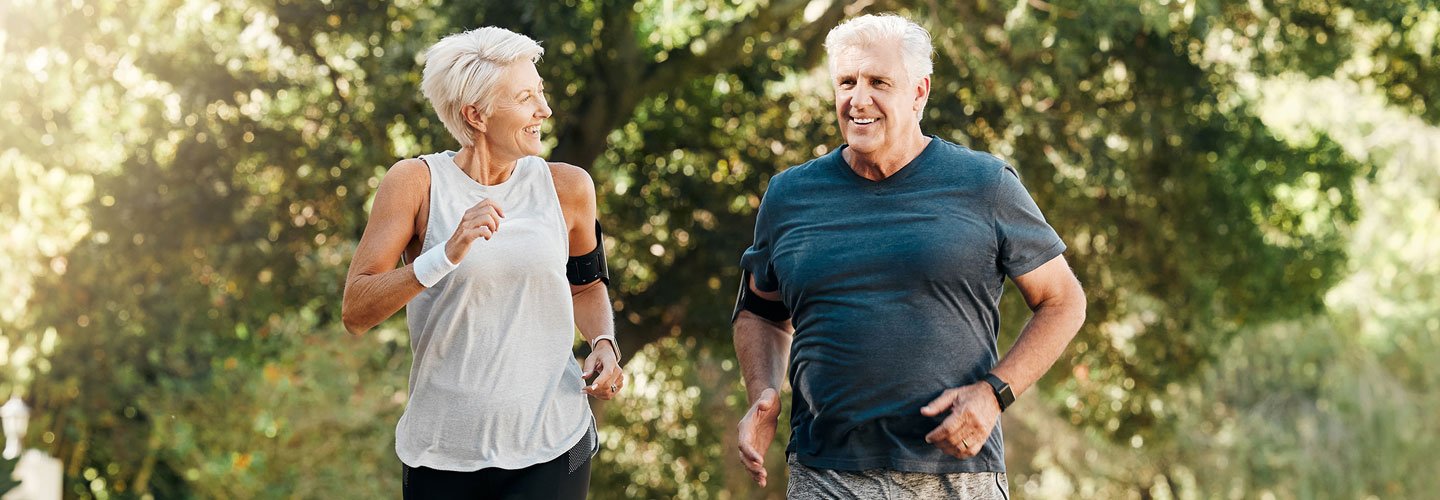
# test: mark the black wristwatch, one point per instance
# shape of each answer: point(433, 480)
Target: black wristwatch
point(1003, 395)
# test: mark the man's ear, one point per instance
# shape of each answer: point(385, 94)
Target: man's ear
point(922, 93)
point(474, 117)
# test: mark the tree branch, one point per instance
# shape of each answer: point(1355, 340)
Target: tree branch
point(724, 53)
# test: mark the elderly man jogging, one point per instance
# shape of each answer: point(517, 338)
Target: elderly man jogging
point(876, 275)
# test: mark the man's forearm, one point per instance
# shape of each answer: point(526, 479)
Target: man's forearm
point(1042, 341)
point(763, 349)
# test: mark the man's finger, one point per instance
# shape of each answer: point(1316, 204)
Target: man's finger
point(944, 430)
point(757, 472)
point(753, 465)
point(975, 446)
point(940, 404)
point(751, 455)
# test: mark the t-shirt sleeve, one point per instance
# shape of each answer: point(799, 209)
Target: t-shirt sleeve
point(756, 259)
point(1025, 240)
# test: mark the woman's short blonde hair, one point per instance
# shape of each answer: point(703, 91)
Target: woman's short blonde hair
point(872, 29)
point(464, 68)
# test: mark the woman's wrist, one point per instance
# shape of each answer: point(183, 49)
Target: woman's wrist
point(432, 265)
point(614, 347)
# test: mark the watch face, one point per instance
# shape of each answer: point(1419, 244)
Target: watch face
point(1003, 394)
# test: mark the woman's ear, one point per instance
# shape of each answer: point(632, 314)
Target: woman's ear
point(474, 117)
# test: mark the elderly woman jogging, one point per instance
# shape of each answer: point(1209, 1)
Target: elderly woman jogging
point(505, 262)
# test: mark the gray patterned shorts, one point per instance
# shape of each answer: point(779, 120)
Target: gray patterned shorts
point(807, 483)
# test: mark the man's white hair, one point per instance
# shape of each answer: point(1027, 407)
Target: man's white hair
point(464, 68)
point(873, 29)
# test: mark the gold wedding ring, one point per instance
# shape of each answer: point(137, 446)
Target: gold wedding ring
point(964, 442)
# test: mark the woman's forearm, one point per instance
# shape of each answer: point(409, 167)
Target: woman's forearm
point(371, 299)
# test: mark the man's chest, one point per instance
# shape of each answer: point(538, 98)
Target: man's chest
point(880, 245)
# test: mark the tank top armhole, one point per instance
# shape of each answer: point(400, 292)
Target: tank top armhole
point(429, 202)
point(559, 207)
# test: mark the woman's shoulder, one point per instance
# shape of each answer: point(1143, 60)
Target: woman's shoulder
point(572, 183)
point(408, 170)
point(408, 177)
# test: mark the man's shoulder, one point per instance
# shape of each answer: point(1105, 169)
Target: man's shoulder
point(983, 160)
point(816, 169)
point(970, 166)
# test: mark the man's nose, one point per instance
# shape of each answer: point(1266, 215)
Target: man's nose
point(862, 97)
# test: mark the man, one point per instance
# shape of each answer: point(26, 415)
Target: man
point(891, 253)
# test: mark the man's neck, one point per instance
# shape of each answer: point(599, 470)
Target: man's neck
point(885, 164)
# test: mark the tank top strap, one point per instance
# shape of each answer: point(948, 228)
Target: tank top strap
point(545, 179)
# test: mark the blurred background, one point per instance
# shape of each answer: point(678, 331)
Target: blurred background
point(1248, 189)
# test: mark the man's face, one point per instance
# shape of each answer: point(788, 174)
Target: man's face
point(877, 103)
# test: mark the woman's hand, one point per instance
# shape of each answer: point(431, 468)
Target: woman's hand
point(480, 221)
point(602, 365)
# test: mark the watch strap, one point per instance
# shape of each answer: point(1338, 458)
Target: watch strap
point(1003, 394)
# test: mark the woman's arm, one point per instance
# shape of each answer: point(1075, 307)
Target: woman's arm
point(374, 288)
point(594, 313)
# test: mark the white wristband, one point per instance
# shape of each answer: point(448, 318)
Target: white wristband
point(433, 265)
point(614, 347)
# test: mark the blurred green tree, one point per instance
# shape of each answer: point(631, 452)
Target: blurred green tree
point(190, 191)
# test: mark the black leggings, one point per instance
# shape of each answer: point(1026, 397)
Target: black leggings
point(551, 479)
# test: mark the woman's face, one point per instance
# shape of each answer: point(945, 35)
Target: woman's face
point(513, 127)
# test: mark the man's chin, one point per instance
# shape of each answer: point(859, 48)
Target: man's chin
point(864, 145)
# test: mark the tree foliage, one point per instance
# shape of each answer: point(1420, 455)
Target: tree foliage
point(192, 176)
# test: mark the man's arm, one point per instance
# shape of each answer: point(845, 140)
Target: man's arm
point(763, 349)
point(1058, 303)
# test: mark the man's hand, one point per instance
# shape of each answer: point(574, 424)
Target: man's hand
point(609, 378)
point(973, 414)
point(757, 430)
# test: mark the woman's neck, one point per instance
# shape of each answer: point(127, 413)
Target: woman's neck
point(484, 166)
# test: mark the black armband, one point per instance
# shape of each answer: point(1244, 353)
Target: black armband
point(587, 268)
point(746, 300)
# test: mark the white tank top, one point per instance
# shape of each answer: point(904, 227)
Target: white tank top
point(493, 382)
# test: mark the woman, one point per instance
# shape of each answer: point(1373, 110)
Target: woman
point(505, 263)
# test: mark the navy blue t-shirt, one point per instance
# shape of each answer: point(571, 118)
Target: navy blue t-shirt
point(894, 286)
